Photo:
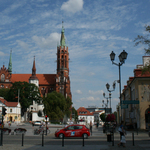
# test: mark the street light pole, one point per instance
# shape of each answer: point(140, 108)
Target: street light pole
point(122, 57)
point(108, 86)
point(105, 105)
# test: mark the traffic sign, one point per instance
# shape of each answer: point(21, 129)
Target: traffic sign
point(130, 102)
point(124, 106)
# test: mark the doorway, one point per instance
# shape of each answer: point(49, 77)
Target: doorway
point(147, 118)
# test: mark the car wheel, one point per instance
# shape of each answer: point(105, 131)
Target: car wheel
point(85, 136)
point(61, 135)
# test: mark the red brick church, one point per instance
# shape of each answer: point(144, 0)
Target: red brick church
point(47, 83)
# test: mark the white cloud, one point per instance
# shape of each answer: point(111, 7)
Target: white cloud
point(78, 92)
point(90, 98)
point(48, 42)
point(2, 54)
point(96, 92)
point(22, 44)
point(72, 6)
point(91, 73)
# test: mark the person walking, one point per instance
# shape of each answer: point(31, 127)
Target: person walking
point(122, 134)
point(91, 127)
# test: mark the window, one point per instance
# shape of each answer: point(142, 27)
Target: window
point(10, 109)
point(2, 86)
point(71, 128)
point(2, 78)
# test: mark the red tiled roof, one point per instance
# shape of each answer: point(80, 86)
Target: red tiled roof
point(82, 109)
point(45, 79)
point(8, 104)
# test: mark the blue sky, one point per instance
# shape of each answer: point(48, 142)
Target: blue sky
point(93, 28)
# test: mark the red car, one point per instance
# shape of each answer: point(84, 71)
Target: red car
point(73, 131)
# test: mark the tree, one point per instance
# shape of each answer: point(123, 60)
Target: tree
point(102, 116)
point(110, 118)
point(144, 40)
point(4, 92)
point(75, 114)
point(27, 93)
point(56, 106)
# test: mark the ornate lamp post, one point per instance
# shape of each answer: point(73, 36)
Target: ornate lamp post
point(122, 57)
point(105, 105)
point(108, 88)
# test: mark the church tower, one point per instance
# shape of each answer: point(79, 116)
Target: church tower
point(33, 79)
point(10, 64)
point(62, 77)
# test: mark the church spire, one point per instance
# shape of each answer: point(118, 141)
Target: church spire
point(62, 40)
point(10, 63)
point(33, 77)
point(34, 68)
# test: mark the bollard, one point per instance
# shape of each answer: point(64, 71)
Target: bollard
point(22, 138)
point(63, 141)
point(112, 138)
point(133, 138)
point(83, 140)
point(1, 140)
point(43, 138)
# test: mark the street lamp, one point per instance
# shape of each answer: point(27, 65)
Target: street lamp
point(122, 57)
point(108, 88)
point(105, 105)
point(106, 99)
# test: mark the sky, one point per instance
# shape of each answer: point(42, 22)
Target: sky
point(93, 29)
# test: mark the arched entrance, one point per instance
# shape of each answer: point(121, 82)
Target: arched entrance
point(10, 118)
point(147, 118)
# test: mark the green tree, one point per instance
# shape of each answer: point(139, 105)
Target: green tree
point(75, 114)
point(56, 106)
point(4, 92)
point(102, 116)
point(27, 93)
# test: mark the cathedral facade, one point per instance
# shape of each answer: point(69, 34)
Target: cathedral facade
point(59, 82)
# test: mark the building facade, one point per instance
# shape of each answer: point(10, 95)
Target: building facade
point(137, 92)
point(13, 110)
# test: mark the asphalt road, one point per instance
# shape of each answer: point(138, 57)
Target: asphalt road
point(98, 139)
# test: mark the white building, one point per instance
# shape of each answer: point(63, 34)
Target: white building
point(84, 116)
point(13, 111)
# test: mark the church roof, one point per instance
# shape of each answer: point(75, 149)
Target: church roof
point(45, 79)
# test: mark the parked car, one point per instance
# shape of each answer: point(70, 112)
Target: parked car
point(37, 123)
point(20, 130)
point(73, 131)
point(6, 130)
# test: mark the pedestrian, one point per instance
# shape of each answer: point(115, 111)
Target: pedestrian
point(91, 127)
point(97, 123)
point(122, 135)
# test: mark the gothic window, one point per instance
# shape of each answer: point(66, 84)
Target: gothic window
point(65, 62)
point(2, 78)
